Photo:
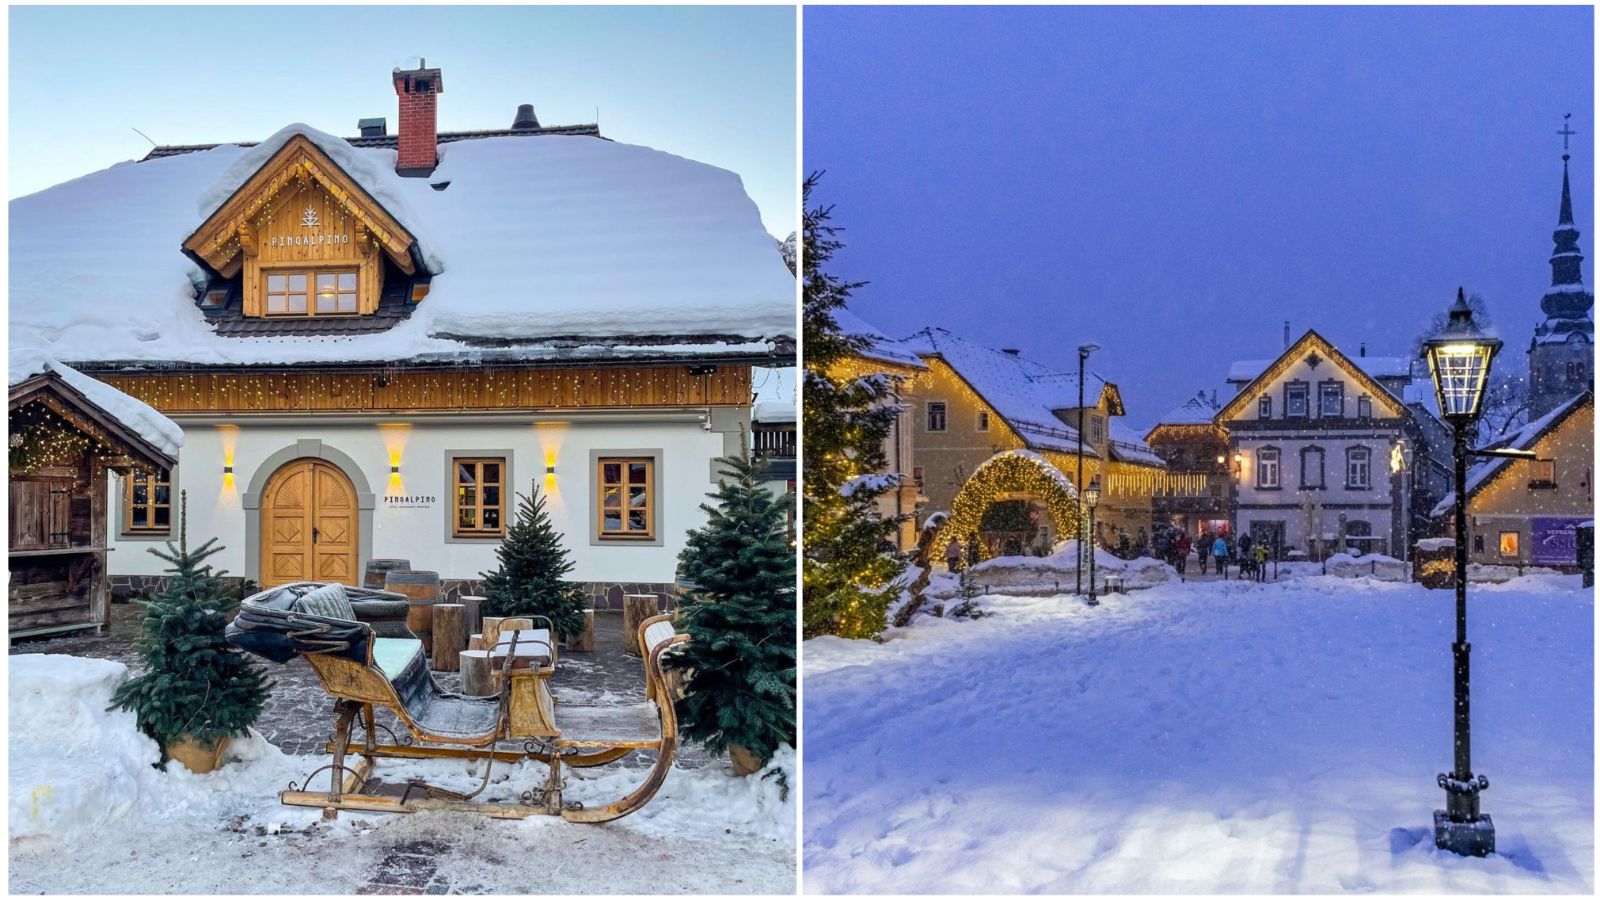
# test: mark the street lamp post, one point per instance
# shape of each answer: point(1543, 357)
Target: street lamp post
point(1459, 360)
point(1084, 350)
point(1091, 497)
point(1400, 461)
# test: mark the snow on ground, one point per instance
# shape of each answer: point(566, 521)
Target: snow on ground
point(89, 814)
point(1209, 737)
point(1035, 575)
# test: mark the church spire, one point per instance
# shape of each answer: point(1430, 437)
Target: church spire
point(1566, 297)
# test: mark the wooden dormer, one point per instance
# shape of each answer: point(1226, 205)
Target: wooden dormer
point(305, 239)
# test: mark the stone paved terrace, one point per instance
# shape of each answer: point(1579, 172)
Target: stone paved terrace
point(298, 716)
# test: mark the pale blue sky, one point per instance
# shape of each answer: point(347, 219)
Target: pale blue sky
point(714, 84)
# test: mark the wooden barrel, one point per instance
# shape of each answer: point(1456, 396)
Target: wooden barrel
point(380, 567)
point(421, 589)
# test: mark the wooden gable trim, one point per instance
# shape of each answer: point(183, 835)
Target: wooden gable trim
point(1112, 398)
point(227, 236)
point(88, 417)
point(1310, 341)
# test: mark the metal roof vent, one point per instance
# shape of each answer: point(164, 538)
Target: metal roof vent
point(373, 128)
point(525, 120)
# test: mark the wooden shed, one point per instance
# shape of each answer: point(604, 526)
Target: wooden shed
point(62, 446)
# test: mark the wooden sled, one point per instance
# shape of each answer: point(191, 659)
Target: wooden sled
point(372, 660)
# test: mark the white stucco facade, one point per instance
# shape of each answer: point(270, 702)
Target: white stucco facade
point(409, 514)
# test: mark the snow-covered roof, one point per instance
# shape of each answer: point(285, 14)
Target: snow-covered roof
point(136, 415)
point(776, 400)
point(1020, 390)
point(1127, 446)
point(882, 348)
point(616, 249)
point(1245, 371)
point(1521, 439)
point(1197, 410)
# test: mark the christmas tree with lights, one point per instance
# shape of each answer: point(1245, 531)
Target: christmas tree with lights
point(849, 577)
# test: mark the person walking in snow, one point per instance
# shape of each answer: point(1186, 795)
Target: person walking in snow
point(1181, 552)
point(952, 554)
point(1246, 559)
point(1203, 550)
point(1261, 561)
point(1219, 550)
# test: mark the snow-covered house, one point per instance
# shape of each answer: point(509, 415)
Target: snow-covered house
point(1528, 511)
point(773, 431)
point(1314, 443)
point(372, 343)
point(1194, 496)
point(977, 401)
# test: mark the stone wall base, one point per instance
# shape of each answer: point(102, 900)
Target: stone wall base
point(602, 595)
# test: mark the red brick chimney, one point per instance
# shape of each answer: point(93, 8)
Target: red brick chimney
point(418, 90)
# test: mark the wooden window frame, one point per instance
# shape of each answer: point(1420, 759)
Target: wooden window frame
point(1322, 397)
point(1537, 469)
point(983, 420)
point(456, 529)
point(1516, 544)
point(625, 534)
point(150, 505)
point(1364, 407)
point(944, 416)
point(1264, 407)
point(311, 273)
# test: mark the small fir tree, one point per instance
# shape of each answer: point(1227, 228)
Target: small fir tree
point(531, 580)
point(194, 684)
point(849, 578)
point(740, 661)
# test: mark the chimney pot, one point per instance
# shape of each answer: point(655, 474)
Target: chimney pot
point(1363, 348)
point(418, 90)
point(373, 128)
point(1285, 333)
point(525, 118)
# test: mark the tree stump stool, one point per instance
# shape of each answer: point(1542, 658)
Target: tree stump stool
point(585, 640)
point(477, 678)
point(636, 608)
point(473, 619)
point(447, 636)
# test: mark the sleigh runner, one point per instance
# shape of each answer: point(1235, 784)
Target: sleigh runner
point(356, 641)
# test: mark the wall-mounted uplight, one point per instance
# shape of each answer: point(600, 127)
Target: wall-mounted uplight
point(394, 470)
point(227, 470)
point(549, 470)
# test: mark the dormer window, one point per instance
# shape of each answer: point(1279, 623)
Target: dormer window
point(290, 293)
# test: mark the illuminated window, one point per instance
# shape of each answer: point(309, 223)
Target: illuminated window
point(936, 414)
point(480, 497)
point(627, 497)
point(311, 293)
point(1508, 544)
point(147, 503)
point(983, 420)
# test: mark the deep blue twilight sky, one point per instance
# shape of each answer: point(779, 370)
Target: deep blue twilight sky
point(714, 84)
point(1174, 183)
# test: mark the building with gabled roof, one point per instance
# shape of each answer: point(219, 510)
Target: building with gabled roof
point(977, 401)
point(1194, 448)
point(373, 344)
point(1527, 511)
point(1314, 441)
point(1561, 356)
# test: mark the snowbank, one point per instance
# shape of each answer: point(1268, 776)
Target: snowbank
point(1032, 575)
point(78, 769)
point(1370, 566)
point(138, 416)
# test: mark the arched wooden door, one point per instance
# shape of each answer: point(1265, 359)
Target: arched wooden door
point(309, 521)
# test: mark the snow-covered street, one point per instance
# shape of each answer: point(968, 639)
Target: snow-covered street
point(89, 814)
point(1211, 737)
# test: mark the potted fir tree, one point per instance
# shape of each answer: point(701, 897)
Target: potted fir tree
point(739, 665)
point(196, 691)
point(531, 578)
